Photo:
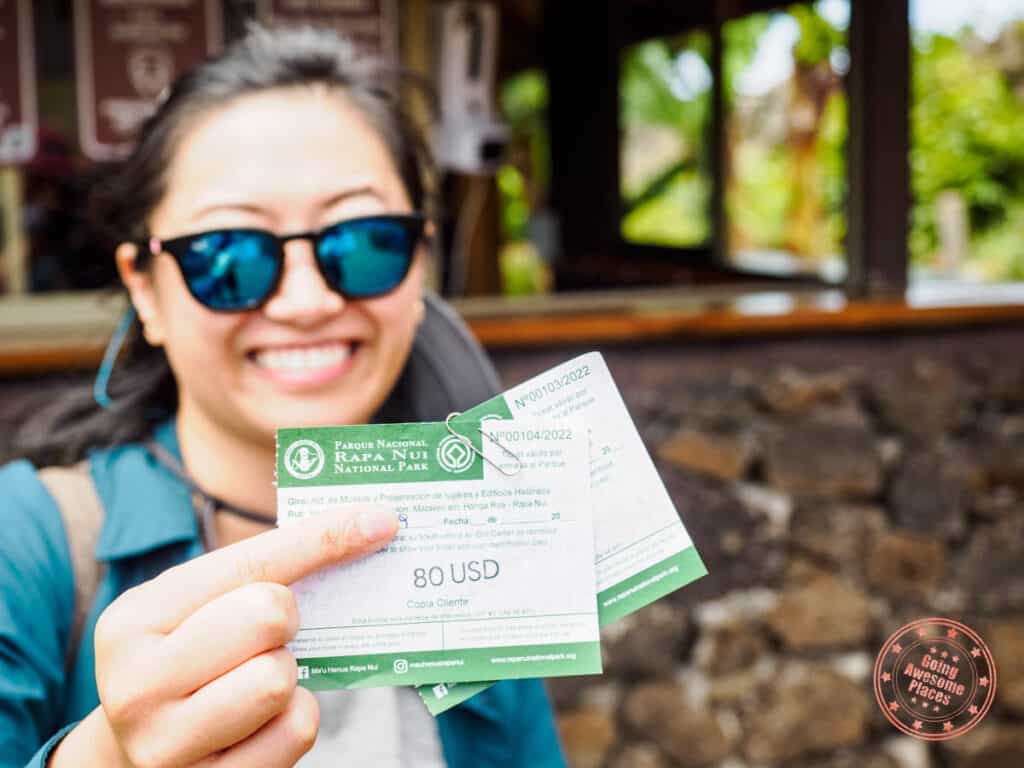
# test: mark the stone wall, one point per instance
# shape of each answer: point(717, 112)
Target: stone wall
point(837, 490)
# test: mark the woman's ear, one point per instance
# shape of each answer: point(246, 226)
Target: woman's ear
point(140, 291)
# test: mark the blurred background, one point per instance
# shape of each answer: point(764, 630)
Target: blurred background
point(795, 229)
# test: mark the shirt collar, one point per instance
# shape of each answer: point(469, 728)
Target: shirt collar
point(145, 506)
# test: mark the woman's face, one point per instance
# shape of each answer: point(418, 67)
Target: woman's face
point(289, 160)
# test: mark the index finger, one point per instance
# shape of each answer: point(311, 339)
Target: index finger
point(283, 555)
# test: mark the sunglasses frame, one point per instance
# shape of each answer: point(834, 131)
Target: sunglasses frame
point(176, 248)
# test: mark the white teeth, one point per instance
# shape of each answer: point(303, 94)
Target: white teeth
point(307, 359)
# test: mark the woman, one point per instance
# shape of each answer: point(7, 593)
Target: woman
point(271, 219)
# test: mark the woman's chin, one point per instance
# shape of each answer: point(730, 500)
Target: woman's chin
point(310, 410)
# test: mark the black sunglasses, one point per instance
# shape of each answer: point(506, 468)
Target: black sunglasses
point(231, 270)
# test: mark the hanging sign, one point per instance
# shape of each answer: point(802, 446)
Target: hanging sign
point(127, 52)
point(18, 108)
point(370, 24)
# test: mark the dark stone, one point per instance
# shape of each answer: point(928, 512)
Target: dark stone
point(997, 461)
point(723, 455)
point(856, 758)
point(802, 570)
point(836, 535)
point(587, 737)
point(990, 745)
point(998, 503)
point(990, 568)
point(930, 493)
point(566, 692)
point(713, 403)
point(724, 532)
point(647, 643)
point(824, 614)
point(826, 397)
point(735, 687)
point(823, 460)
point(1006, 641)
point(802, 710)
point(771, 508)
point(730, 648)
point(639, 756)
point(1002, 379)
point(647, 407)
point(905, 565)
point(926, 401)
point(790, 390)
point(661, 713)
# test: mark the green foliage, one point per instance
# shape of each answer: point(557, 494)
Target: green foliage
point(817, 38)
point(785, 192)
point(515, 209)
point(677, 216)
point(670, 203)
point(651, 85)
point(524, 103)
point(967, 127)
point(739, 44)
point(831, 154)
point(665, 114)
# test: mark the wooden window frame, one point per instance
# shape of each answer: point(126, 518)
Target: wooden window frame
point(584, 91)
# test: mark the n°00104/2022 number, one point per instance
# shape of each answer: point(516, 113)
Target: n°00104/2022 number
point(519, 435)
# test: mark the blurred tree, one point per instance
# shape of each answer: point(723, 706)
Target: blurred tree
point(523, 184)
point(784, 168)
point(967, 125)
point(785, 180)
point(665, 116)
point(525, 179)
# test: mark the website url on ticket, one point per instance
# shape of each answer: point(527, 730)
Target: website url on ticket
point(440, 663)
point(671, 571)
point(534, 657)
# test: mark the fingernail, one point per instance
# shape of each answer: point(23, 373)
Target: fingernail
point(376, 523)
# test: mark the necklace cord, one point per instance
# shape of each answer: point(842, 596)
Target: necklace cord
point(208, 504)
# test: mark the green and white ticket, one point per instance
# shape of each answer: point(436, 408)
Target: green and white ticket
point(491, 575)
point(642, 550)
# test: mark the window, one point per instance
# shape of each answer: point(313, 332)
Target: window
point(664, 156)
point(529, 245)
point(967, 152)
point(785, 139)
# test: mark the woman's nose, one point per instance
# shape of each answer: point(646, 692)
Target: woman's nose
point(302, 296)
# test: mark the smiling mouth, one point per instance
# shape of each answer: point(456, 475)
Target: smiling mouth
point(292, 361)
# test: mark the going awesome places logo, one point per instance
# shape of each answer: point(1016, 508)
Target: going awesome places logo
point(935, 679)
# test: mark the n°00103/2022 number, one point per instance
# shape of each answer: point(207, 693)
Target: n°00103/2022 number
point(552, 386)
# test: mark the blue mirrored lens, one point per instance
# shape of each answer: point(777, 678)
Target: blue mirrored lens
point(230, 270)
point(367, 257)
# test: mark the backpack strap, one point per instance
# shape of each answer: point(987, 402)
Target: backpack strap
point(447, 370)
point(74, 491)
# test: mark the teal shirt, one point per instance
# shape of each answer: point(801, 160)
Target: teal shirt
point(149, 526)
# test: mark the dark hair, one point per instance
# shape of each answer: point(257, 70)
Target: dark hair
point(126, 193)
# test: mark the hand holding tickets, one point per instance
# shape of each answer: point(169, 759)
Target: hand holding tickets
point(491, 574)
point(171, 697)
point(503, 545)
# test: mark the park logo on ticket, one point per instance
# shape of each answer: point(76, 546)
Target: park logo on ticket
point(491, 574)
